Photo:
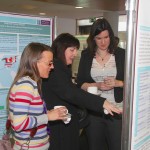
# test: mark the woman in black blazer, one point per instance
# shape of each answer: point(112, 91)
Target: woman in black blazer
point(102, 65)
point(59, 90)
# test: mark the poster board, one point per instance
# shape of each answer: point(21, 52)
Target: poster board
point(136, 116)
point(16, 31)
point(141, 99)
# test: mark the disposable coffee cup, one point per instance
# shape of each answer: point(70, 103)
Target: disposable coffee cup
point(59, 106)
point(92, 90)
point(68, 115)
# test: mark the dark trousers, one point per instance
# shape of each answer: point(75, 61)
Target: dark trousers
point(103, 133)
point(83, 141)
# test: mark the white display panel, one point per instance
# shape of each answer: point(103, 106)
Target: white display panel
point(141, 99)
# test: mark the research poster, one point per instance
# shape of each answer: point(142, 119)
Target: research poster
point(16, 31)
point(141, 100)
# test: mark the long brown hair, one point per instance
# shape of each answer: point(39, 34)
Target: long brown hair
point(98, 26)
point(28, 63)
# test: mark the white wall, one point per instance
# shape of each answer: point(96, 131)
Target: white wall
point(113, 18)
point(65, 25)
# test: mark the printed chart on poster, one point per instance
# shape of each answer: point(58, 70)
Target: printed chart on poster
point(141, 103)
point(16, 31)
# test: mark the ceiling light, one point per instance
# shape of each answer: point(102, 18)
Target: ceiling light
point(42, 14)
point(78, 7)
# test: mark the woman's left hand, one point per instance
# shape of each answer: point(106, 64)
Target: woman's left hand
point(111, 108)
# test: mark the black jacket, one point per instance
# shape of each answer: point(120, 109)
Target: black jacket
point(84, 70)
point(58, 89)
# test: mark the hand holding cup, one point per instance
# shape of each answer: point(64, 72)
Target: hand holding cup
point(67, 116)
point(57, 114)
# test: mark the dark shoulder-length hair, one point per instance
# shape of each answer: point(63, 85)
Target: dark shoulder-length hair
point(28, 63)
point(98, 26)
point(61, 43)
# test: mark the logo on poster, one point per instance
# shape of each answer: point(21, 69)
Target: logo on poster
point(9, 61)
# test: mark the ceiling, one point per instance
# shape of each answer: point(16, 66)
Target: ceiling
point(63, 8)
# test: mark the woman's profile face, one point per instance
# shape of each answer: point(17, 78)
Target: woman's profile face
point(102, 40)
point(70, 54)
point(45, 64)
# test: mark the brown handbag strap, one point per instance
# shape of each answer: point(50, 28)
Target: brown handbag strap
point(8, 124)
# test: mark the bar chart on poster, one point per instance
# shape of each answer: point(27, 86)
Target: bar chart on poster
point(16, 31)
point(141, 100)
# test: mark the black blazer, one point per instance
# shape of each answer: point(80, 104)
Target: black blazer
point(58, 89)
point(84, 70)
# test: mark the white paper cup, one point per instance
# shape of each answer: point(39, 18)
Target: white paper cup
point(68, 120)
point(92, 90)
point(59, 106)
point(106, 111)
point(69, 116)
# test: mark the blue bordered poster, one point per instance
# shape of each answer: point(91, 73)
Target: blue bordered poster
point(16, 31)
point(141, 101)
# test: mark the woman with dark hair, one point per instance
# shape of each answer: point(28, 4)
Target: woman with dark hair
point(27, 111)
point(102, 65)
point(62, 91)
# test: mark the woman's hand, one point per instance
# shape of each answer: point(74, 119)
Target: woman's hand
point(112, 82)
point(103, 87)
point(57, 114)
point(111, 108)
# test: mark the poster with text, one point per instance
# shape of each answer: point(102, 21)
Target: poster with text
point(141, 101)
point(16, 31)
